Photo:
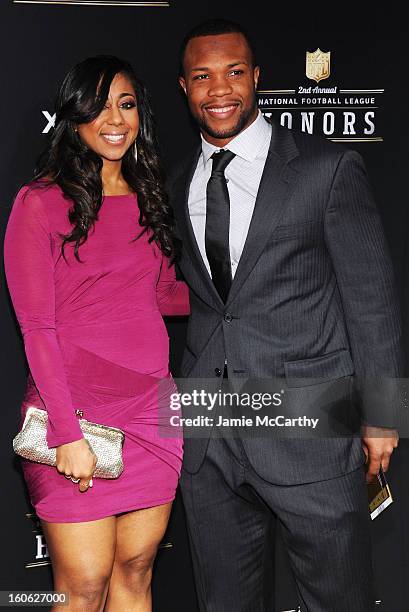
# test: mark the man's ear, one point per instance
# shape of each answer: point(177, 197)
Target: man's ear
point(182, 83)
point(256, 76)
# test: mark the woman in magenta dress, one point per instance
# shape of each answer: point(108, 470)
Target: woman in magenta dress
point(88, 254)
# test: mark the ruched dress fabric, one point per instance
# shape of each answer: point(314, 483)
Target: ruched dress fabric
point(96, 341)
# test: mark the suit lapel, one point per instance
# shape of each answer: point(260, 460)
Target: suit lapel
point(275, 187)
point(181, 195)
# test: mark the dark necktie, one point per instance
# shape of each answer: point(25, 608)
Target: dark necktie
point(217, 224)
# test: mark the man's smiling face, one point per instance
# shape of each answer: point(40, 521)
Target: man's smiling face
point(220, 83)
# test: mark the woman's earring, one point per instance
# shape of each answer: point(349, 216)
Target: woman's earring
point(135, 151)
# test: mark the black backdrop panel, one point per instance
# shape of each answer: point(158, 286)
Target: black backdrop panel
point(39, 41)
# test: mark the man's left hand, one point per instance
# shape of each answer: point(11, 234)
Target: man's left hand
point(378, 444)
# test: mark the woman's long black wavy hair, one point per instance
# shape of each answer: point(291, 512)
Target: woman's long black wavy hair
point(69, 163)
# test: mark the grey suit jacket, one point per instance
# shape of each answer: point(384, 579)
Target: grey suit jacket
point(313, 298)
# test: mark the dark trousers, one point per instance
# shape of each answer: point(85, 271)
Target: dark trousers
point(232, 514)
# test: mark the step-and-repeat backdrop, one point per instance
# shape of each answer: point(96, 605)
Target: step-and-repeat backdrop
point(341, 75)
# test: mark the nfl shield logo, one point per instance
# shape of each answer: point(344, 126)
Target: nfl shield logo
point(318, 65)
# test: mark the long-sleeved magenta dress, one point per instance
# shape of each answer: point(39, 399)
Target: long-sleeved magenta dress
point(95, 340)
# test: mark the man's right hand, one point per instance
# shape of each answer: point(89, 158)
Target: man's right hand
point(77, 460)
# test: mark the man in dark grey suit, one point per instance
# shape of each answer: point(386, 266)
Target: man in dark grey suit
point(289, 278)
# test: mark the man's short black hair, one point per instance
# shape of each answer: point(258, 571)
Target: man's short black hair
point(215, 27)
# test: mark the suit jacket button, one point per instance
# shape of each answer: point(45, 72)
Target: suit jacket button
point(228, 317)
point(218, 371)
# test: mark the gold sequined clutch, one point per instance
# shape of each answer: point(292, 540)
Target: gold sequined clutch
point(106, 442)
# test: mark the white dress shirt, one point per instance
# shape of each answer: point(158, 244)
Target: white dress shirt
point(243, 176)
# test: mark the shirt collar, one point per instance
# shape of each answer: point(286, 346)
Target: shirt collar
point(246, 145)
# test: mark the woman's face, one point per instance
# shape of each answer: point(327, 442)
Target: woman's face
point(114, 130)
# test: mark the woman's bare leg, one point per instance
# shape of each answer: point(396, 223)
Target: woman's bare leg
point(82, 556)
point(138, 536)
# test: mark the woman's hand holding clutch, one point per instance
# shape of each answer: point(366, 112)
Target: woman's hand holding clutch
point(77, 461)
